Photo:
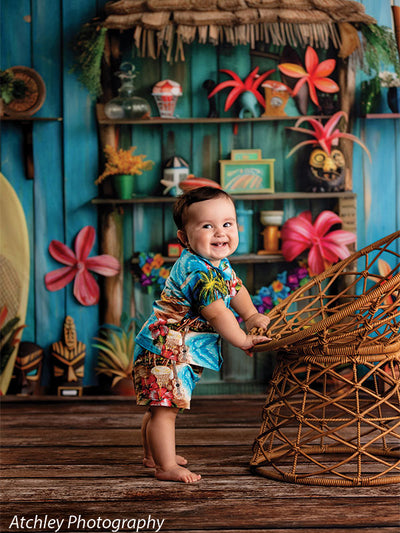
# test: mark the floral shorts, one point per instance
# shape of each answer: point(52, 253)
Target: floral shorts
point(163, 382)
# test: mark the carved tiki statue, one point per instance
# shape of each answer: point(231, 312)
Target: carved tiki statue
point(68, 361)
point(27, 370)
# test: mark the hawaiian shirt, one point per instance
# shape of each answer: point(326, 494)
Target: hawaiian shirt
point(176, 329)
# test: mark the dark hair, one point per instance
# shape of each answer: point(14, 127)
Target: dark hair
point(194, 196)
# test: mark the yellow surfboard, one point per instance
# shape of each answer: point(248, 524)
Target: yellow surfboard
point(14, 265)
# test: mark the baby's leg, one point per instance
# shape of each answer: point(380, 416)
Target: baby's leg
point(161, 440)
point(148, 458)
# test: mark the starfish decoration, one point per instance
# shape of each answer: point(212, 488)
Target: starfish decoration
point(251, 84)
point(325, 136)
point(299, 234)
point(86, 289)
point(315, 74)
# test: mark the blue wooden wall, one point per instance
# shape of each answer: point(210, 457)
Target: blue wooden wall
point(57, 202)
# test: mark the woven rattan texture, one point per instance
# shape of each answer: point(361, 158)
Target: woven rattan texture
point(332, 414)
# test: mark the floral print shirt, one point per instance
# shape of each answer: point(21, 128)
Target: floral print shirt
point(176, 329)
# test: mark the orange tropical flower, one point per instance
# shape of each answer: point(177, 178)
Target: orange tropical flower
point(315, 74)
point(157, 261)
point(277, 285)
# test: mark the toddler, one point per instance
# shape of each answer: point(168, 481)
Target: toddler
point(182, 335)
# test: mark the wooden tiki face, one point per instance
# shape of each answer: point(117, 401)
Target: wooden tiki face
point(68, 356)
point(326, 172)
point(27, 369)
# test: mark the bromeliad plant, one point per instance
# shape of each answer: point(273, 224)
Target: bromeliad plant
point(325, 136)
point(315, 74)
point(123, 162)
point(115, 346)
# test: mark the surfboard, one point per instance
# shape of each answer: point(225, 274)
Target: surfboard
point(14, 265)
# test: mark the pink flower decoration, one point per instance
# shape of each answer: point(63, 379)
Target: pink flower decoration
point(325, 136)
point(299, 234)
point(86, 289)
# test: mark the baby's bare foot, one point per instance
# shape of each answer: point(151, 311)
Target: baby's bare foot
point(177, 473)
point(149, 461)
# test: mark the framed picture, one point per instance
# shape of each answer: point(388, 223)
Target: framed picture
point(245, 155)
point(247, 177)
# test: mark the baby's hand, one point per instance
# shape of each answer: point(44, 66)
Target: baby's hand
point(251, 340)
point(257, 320)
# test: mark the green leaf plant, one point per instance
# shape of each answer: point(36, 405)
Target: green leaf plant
point(115, 345)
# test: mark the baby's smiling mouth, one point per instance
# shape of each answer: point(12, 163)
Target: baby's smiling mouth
point(219, 244)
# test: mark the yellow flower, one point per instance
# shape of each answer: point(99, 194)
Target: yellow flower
point(123, 162)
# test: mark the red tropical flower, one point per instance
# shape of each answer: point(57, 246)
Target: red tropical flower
point(251, 84)
point(299, 234)
point(324, 136)
point(86, 289)
point(315, 74)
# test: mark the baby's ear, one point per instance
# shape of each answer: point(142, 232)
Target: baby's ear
point(182, 238)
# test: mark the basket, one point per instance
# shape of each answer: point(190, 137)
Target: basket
point(332, 415)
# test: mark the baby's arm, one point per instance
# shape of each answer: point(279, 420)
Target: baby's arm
point(244, 307)
point(224, 322)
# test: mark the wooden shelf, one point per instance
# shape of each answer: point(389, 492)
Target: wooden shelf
point(153, 121)
point(382, 115)
point(239, 258)
point(272, 196)
point(28, 118)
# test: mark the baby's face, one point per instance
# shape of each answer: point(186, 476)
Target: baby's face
point(211, 230)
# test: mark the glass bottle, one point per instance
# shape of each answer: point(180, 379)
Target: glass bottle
point(126, 105)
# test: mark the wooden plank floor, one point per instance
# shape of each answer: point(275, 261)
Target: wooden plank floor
point(78, 461)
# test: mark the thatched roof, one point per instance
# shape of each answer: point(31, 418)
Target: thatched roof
point(161, 24)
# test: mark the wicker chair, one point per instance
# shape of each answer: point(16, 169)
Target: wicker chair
point(332, 414)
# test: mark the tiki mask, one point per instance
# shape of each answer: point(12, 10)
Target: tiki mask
point(27, 370)
point(326, 172)
point(68, 361)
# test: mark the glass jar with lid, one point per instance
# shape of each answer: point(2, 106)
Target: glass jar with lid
point(126, 105)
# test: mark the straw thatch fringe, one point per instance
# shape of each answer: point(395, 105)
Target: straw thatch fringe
point(150, 42)
point(164, 26)
point(123, 22)
point(124, 7)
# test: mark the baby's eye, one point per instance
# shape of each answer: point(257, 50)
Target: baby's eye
point(227, 224)
point(207, 226)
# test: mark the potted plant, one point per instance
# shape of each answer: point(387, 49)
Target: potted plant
point(123, 165)
point(11, 88)
point(115, 359)
point(391, 81)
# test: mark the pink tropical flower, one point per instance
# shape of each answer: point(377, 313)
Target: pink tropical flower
point(299, 234)
point(86, 289)
point(315, 74)
point(324, 136)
